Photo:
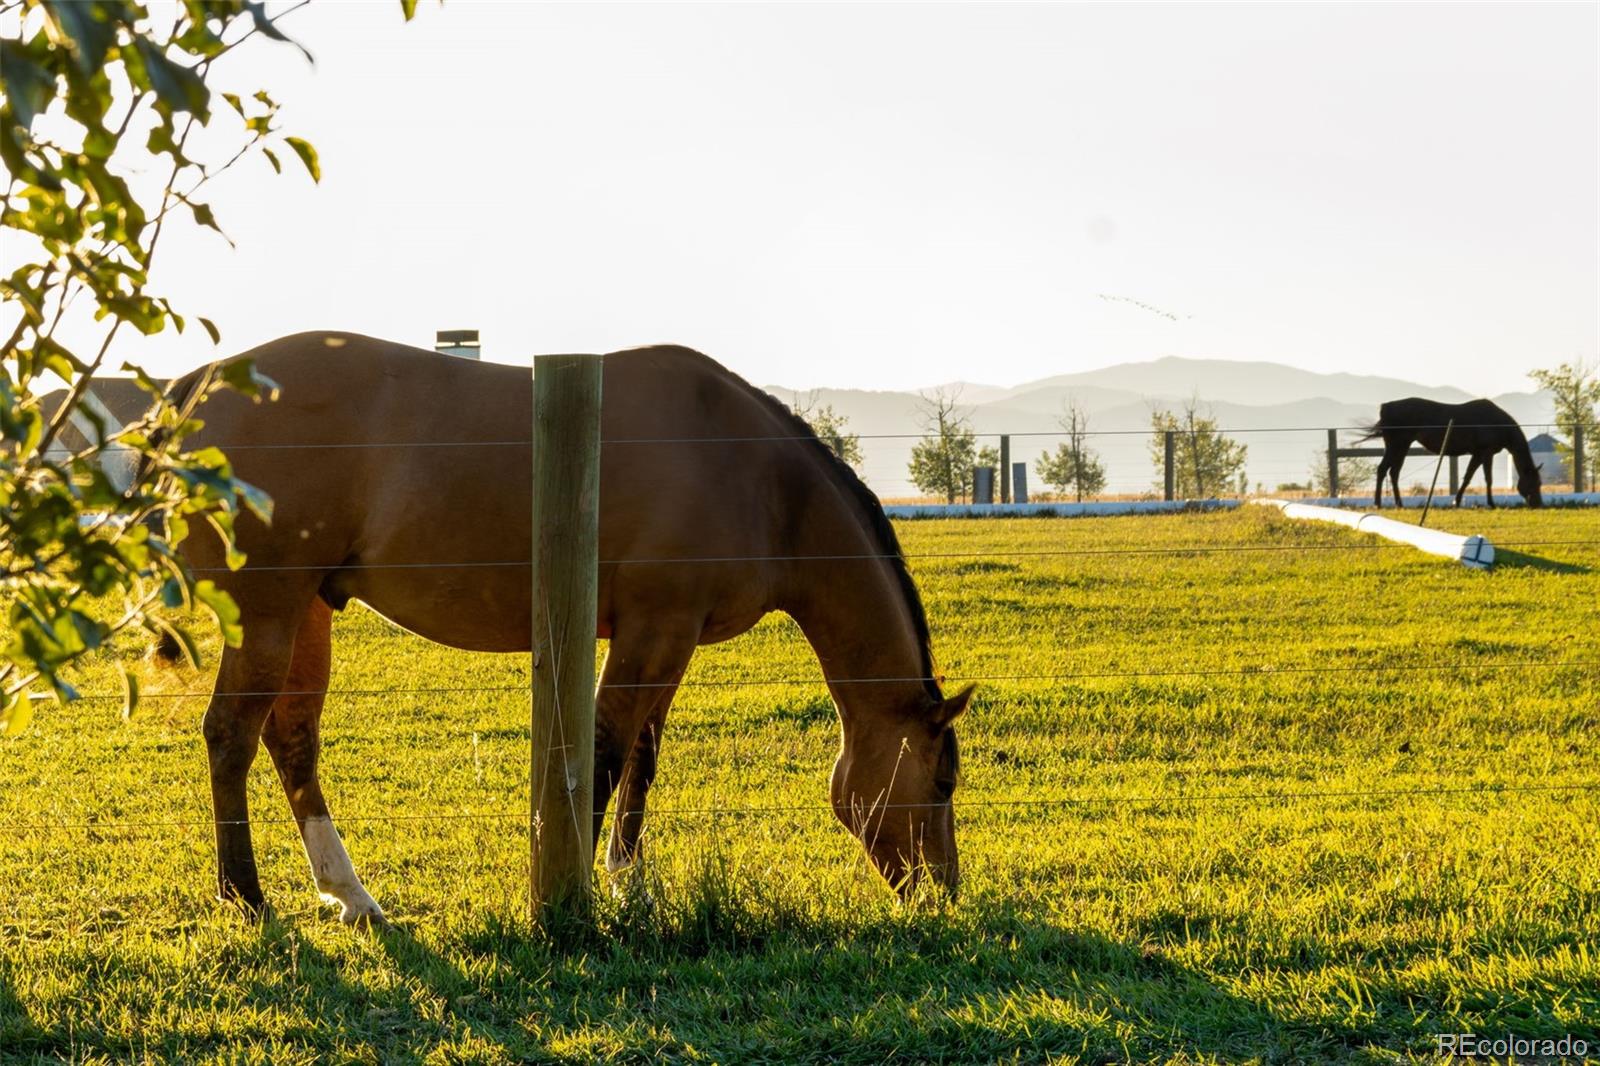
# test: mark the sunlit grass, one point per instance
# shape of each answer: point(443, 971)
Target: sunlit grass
point(1288, 856)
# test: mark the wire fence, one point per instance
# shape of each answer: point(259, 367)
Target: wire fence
point(965, 802)
point(1293, 457)
point(1178, 799)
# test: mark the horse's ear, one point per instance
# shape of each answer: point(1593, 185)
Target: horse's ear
point(952, 706)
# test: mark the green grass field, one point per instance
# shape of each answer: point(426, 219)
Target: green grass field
point(1292, 858)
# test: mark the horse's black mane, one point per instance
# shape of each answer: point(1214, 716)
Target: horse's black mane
point(882, 530)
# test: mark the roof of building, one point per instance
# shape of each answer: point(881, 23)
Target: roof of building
point(1544, 442)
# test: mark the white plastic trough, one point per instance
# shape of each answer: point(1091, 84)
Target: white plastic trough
point(1473, 551)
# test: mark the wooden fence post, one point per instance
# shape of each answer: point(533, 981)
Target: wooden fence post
point(1169, 451)
point(1333, 463)
point(566, 513)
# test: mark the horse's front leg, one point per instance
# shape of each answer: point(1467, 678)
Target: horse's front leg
point(293, 737)
point(1488, 480)
point(641, 674)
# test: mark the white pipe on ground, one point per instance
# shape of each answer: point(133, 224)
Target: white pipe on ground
point(1473, 551)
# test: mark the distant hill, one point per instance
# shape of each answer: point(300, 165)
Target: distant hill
point(1251, 398)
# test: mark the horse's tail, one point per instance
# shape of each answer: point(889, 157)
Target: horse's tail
point(1370, 431)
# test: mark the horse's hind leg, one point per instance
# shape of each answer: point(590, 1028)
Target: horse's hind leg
point(293, 737)
point(1394, 455)
point(247, 681)
point(638, 774)
point(1488, 480)
point(640, 676)
point(1472, 468)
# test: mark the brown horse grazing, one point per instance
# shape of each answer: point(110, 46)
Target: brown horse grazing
point(401, 478)
point(1481, 428)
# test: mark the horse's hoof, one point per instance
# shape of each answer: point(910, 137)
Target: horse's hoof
point(363, 914)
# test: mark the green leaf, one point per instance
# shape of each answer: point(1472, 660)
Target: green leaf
point(130, 693)
point(162, 142)
point(222, 606)
point(177, 86)
point(308, 156)
point(91, 30)
point(408, 8)
point(259, 502)
point(182, 638)
point(29, 87)
point(203, 215)
point(265, 26)
point(272, 157)
point(18, 716)
point(241, 376)
point(211, 328)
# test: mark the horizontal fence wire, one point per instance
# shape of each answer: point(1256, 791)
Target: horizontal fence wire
point(868, 810)
point(778, 438)
point(1020, 553)
point(1260, 670)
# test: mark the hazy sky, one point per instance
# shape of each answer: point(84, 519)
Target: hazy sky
point(903, 194)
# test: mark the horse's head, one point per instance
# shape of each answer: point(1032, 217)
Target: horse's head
point(892, 786)
point(1528, 485)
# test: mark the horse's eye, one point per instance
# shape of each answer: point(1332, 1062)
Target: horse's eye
point(945, 787)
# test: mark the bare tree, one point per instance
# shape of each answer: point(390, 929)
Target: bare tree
point(828, 425)
point(1204, 460)
point(941, 462)
point(1073, 467)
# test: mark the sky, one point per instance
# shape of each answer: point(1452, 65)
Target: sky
point(897, 195)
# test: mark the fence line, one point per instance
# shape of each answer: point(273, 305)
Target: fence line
point(778, 438)
point(1262, 670)
point(1044, 802)
point(1023, 553)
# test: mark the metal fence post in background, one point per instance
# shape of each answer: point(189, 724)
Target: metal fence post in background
point(983, 484)
point(566, 514)
point(1005, 465)
point(1455, 476)
point(1169, 450)
point(1019, 482)
point(1333, 463)
point(1578, 471)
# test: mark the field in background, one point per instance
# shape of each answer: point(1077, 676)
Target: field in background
point(1285, 859)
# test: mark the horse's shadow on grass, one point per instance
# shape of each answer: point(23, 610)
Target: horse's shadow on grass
point(1505, 559)
point(1002, 987)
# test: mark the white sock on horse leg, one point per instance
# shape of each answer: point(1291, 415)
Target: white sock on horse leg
point(336, 878)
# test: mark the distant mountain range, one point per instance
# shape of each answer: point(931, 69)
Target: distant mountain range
point(1281, 413)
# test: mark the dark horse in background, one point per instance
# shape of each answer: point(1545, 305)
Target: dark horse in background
point(1480, 429)
point(401, 478)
